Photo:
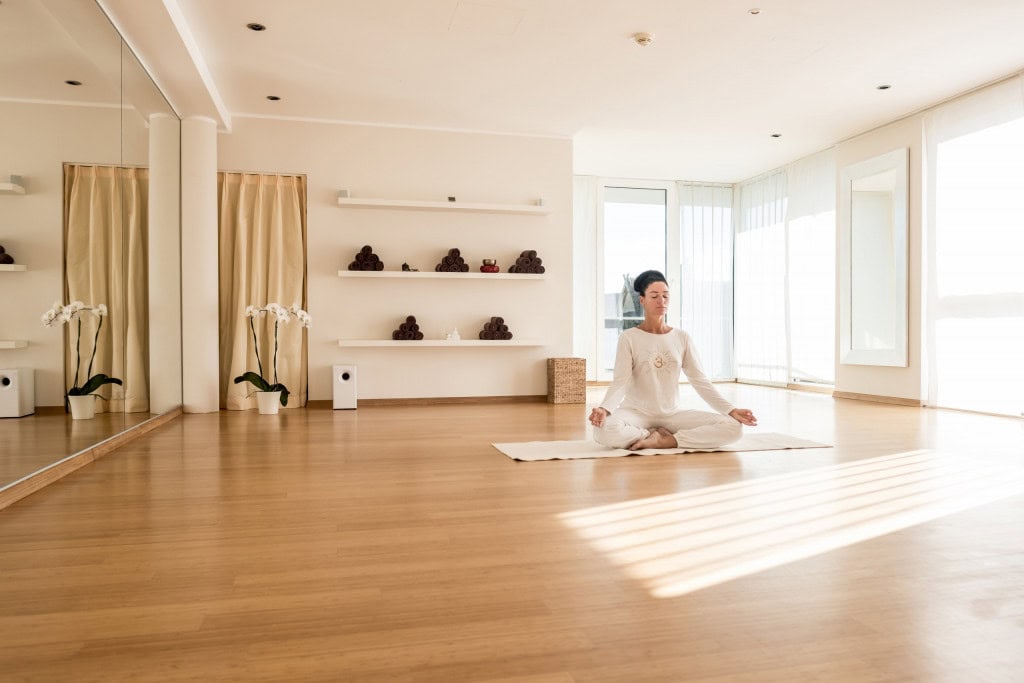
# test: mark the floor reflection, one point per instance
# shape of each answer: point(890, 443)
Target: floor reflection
point(28, 444)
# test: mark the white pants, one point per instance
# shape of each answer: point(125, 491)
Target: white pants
point(692, 428)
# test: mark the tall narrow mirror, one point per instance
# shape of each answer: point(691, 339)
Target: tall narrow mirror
point(873, 261)
point(78, 118)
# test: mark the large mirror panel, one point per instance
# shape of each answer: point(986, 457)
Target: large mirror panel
point(873, 261)
point(80, 229)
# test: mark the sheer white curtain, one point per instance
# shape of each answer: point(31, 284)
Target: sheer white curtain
point(811, 228)
point(760, 280)
point(974, 247)
point(705, 293)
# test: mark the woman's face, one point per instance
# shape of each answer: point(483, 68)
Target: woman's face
point(655, 300)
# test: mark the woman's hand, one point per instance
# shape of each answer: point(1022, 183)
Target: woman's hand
point(743, 415)
point(597, 416)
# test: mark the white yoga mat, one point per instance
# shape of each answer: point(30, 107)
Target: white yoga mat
point(572, 450)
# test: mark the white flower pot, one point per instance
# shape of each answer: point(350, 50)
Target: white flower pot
point(269, 402)
point(82, 407)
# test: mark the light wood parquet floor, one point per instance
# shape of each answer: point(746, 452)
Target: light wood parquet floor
point(395, 544)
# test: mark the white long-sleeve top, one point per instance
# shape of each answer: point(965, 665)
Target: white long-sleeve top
point(646, 377)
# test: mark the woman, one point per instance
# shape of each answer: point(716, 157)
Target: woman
point(640, 409)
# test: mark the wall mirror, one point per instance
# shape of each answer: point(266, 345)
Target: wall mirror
point(76, 107)
point(873, 261)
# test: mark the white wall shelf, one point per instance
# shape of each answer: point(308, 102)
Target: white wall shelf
point(12, 267)
point(528, 209)
point(436, 343)
point(12, 344)
point(7, 187)
point(434, 275)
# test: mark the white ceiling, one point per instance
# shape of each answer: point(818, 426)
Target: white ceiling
point(38, 54)
point(700, 103)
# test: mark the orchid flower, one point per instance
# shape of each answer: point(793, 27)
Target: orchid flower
point(281, 316)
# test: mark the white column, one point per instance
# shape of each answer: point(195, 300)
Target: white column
point(199, 266)
point(164, 263)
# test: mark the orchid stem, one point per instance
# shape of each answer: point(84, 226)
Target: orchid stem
point(95, 343)
point(255, 344)
point(277, 324)
point(78, 353)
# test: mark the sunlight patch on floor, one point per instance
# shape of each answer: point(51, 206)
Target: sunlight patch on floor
point(679, 543)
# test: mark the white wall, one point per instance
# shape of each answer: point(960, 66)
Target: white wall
point(401, 163)
point(887, 381)
point(35, 141)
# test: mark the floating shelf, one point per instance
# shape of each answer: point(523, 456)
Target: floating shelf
point(9, 186)
point(12, 344)
point(434, 275)
point(437, 343)
point(12, 267)
point(528, 209)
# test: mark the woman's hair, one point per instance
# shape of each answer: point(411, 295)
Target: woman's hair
point(646, 279)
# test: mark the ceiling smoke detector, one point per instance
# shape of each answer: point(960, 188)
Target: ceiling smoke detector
point(643, 39)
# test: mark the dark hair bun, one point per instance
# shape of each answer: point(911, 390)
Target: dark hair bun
point(646, 279)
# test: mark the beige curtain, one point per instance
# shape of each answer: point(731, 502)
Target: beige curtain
point(262, 260)
point(105, 251)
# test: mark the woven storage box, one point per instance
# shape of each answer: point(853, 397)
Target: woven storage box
point(567, 380)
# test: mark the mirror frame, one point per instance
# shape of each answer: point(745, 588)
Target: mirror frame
point(897, 356)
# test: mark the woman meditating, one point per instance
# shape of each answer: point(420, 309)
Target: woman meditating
point(640, 409)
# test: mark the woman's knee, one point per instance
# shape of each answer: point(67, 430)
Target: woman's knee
point(732, 429)
point(611, 433)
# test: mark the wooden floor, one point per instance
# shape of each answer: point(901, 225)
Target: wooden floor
point(395, 544)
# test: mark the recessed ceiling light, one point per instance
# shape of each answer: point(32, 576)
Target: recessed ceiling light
point(256, 27)
point(73, 82)
point(273, 98)
point(883, 87)
point(754, 10)
point(776, 135)
point(643, 39)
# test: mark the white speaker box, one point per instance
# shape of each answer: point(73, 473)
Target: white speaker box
point(344, 387)
point(17, 392)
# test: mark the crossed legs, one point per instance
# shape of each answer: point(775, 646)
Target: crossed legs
point(686, 429)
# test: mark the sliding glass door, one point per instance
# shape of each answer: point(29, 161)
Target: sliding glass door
point(633, 228)
point(685, 231)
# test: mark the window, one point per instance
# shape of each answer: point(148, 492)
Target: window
point(785, 274)
point(977, 312)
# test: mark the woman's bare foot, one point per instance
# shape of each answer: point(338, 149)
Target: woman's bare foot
point(658, 438)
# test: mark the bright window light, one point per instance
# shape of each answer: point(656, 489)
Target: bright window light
point(680, 543)
point(979, 278)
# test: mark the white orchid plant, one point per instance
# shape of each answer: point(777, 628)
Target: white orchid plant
point(281, 316)
point(60, 314)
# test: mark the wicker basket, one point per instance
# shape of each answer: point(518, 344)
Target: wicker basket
point(567, 380)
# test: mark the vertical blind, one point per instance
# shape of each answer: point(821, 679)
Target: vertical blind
point(705, 280)
point(760, 262)
point(811, 272)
